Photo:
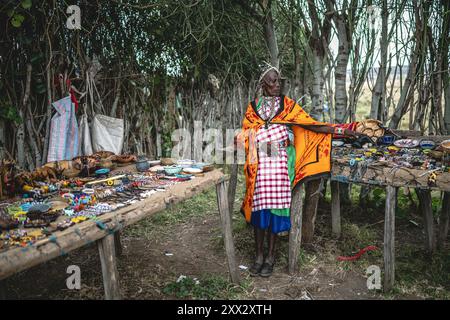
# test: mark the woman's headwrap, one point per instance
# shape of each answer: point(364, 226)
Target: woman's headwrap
point(264, 68)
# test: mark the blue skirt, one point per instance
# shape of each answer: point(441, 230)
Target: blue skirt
point(264, 219)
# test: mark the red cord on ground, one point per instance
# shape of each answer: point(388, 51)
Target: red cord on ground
point(358, 255)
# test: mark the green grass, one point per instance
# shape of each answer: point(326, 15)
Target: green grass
point(365, 101)
point(207, 287)
point(416, 274)
point(201, 205)
point(420, 274)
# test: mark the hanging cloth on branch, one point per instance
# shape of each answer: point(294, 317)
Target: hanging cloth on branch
point(107, 134)
point(63, 143)
point(85, 145)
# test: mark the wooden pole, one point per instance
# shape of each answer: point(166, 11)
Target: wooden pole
point(232, 187)
point(118, 243)
point(389, 238)
point(335, 210)
point(311, 201)
point(109, 267)
point(3, 290)
point(222, 203)
point(427, 211)
point(443, 220)
point(295, 236)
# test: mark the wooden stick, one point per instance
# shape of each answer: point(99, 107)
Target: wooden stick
point(222, 202)
point(232, 187)
point(109, 267)
point(311, 202)
point(104, 180)
point(3, 290)
point(335, 210)
point(427, 211)
point(295, 236)
point(443, 220)
point(117, 243)
point(389, 238)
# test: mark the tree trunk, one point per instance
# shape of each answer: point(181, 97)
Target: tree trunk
point(407, 91)
point(2, 140)
point(340, 97)
point(32, 138)
point(270, 35)
point(317, 86)
point(48, 115)
point(379, 95)
point(116, 99)
point(21, 128)
point(444, 52)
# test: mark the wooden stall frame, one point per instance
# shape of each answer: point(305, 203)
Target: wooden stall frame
point(105, 229)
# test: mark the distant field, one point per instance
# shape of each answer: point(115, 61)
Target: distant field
point(363, 107)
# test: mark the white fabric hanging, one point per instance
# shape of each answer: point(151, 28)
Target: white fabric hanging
point(107, 134)
point(85, 146)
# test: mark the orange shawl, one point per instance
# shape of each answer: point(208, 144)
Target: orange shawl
point(312, 149)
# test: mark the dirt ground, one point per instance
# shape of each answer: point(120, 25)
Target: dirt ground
point(158, 251)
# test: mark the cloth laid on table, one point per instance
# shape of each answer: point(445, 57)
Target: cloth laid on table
point(107, 134)
point(85, 145)
point(63, 143)
point(312, 151)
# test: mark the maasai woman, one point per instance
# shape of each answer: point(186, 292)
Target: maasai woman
point(283, 146)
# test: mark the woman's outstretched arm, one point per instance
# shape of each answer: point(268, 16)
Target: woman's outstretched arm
point(329, 129)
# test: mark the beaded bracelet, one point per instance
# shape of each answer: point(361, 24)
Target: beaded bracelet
point(339, 130)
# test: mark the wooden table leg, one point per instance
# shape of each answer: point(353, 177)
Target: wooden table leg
point(232, 187)
point(312, 196)
point(2, 290)
point(222, 202)
point(335, 210)
point(118, 243)
point(109, 267)
point(427, 211)
point(295, 236)
point(389, 238)
point(443, 220)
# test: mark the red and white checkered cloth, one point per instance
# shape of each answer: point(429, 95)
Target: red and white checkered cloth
point(272, 188)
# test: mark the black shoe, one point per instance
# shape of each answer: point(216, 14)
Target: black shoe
point(266, 270)
point(255, 269)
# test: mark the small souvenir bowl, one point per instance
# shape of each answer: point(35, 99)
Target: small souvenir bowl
point(185, 163)
point(406, 143)
point(172, 170)
point(26, 206)
point(142, 165)
point(41, 207)
point(427, 144)
point(154, 162)
point(337, 143)
point(192, 170)
point(88, 191)
point(436, 154)
point(103, 171)
point(387, 140)
point(167, 161)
